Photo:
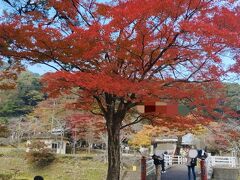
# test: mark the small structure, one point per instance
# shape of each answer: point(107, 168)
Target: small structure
point(56, 143)
point(169, 144)
point(188, 139)
point(166, 144)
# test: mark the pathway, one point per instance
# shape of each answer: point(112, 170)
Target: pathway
point(176, 172)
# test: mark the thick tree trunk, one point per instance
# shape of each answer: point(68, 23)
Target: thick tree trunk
point(113, 150)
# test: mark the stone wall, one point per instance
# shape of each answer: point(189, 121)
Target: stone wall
point(221, 173)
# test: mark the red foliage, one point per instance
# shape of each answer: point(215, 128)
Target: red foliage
point(85, 125)
point(122, 54)
point(137, 50)
point(182, 123)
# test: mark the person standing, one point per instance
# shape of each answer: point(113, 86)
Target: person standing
point(162, 161)
point(191, 163)
point(157, 163)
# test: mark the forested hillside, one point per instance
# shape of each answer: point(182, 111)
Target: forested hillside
point(233, 95)
point(26, 95)
point(22, 99)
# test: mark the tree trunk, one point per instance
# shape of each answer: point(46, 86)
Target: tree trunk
point(89, 147)
point(105, 140)
point(113, 129)
point(179, 145)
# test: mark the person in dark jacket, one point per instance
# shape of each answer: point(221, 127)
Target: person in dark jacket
point(157, 163)
point(38, 178)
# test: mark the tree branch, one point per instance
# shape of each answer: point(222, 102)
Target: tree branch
point(100, 105)
point(137, 120)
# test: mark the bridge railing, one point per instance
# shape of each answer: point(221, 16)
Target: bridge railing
point(150, 167)
point(170, 160)
point(223, 161)
point(211, 161)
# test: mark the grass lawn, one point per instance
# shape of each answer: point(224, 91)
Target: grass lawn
point(81, 167)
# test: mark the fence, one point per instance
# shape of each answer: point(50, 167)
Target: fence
point(150, 167)
point(223, 161)
point(170, 160)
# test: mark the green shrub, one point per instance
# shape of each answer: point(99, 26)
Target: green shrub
point(39, 155)
point(5, 176)
point(4, 131)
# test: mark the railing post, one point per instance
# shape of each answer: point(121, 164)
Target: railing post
point(213, 160)
point(203, 170)
point(170, 160)
point(143, 168)
point(233, 162)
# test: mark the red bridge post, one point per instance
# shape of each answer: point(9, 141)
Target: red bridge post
point(203, 170)
point(143, 168)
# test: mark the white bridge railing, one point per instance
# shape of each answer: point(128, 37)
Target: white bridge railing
point(211, 161)
point(223, 161)
point(150, 167)
point(170, 160)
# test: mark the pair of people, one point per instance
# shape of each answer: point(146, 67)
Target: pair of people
point(192, 155)
point(191, 163)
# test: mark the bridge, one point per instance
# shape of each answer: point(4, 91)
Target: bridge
point(176, 168)
point(178, 172)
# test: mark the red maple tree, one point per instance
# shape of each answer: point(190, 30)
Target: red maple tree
point(86, 126)
point(118, 54)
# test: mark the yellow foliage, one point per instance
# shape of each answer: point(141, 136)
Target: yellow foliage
point(140, 139)
point(199, 129)
point(144, 137)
